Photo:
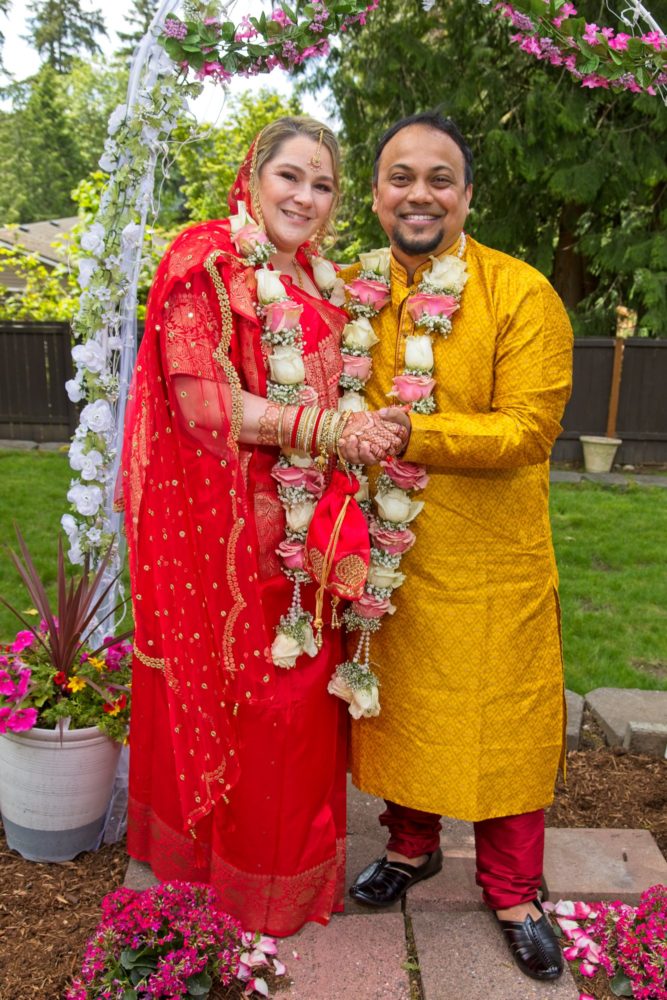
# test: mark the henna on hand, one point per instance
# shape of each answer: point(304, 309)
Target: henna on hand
point(368, 438)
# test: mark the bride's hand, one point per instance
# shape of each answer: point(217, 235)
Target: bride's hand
point(399, 415)
point(369, 438)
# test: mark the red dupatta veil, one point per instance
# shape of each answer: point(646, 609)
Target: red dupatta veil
point(195, 579)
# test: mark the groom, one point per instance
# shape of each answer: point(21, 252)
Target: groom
point(470, 665)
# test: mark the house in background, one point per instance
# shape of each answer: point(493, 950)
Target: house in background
point(34, 237)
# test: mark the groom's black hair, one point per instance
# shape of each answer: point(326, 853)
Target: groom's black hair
point(430, 119)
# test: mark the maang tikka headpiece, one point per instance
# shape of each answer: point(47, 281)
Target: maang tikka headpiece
point(316, 160)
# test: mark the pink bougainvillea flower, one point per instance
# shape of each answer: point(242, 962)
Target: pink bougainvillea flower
point(22, 641)
point(369, 292)
point(282, 315)
point(431, 305)
point(357, 366)
point(410, 388)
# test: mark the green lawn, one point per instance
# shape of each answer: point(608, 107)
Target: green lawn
point(610, 543)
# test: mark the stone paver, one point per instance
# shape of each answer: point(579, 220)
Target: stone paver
point(454, 888)
point(564, 476)
point(355, 958)
point(614, 708)
point(575, 714)
point(462, 956)
point(601, 864)
point(138, 876)
point(646, 737)
point(10, 445)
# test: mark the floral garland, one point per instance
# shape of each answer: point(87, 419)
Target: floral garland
point(220, 49)
point(300, 481)
point(597, 56)
point(437, 298)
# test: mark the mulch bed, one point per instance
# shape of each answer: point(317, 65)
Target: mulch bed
point(48, 911)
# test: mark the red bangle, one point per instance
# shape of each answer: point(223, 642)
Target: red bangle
point(295, 426)
point(313, 442)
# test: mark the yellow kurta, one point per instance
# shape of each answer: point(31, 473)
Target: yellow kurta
point(470, 666)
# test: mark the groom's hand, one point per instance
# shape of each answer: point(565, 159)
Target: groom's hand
point(399, 415)
point(368, 439)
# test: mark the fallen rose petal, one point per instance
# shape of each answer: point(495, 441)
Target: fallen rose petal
point(244, 972)
point(582, 911)
point(548, 907)
point(588, 969)
point(570, 928)
point(267, 945)
point(257, 957)
point(563, 908)
point(571, 952)
point(586, 996)
point(279, 967)
point(296, 954)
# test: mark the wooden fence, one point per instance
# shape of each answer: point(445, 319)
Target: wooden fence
point(35, 362)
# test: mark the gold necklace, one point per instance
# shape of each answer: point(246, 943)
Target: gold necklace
point(297, 268)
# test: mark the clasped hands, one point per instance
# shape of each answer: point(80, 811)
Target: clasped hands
point(371, 436)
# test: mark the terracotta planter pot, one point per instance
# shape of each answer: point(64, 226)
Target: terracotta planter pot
point(54, 791)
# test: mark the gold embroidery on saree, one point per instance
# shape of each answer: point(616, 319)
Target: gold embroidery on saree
point(221, 353)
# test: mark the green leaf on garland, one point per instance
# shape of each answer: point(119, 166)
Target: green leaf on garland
point(621, 985)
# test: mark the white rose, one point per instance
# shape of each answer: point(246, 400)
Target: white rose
point(75, 554)
point(352, 401)
point(130, 236)
point(97, 416)
point(75, 454)
point(286, 366)
point(419, 352)
point(285, 650)
point(241, 218)
point(397, 507)
point(378, 261)
point(86, 499)
point(300, 460)
point(449, 273)
point(116, 118)
point(69, 526)
point(383, 576)
point(90, 355)
point(340, 688)
point(363, 491)
point(309, 644)
point(87, 266)
point(338, 296)
point(324, 272)
point(365, 703)
point(299, 515)
point(89, 466)
point(74, 390)
point(359, 334)
point(93, 239)
point(269, 286)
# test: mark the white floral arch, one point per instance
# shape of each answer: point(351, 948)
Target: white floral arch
point(206, 41)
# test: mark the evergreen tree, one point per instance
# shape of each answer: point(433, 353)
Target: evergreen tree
point(139, 17)
point(573, 181)
point(60, 30)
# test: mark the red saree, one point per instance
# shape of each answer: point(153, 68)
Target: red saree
point(237, 774)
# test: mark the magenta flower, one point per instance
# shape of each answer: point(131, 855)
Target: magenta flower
point(22, 641)
point(21, 720)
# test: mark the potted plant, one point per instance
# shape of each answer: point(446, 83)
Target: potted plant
point(64, 713)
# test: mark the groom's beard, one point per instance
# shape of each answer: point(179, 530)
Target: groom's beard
point(416, 247)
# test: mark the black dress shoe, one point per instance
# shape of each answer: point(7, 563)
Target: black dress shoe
point(534, 946)
point(384, 882)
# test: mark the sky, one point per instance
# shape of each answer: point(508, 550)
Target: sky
point(21, 60)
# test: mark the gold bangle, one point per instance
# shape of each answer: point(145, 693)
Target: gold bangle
point(306, 427)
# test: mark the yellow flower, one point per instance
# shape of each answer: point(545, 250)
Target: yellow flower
point(96, 662)
point(31, 611)
point(76, 684)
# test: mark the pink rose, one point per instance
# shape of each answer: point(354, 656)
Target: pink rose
point(22, 641)
point(314, 481)
point(431, 305)
point(369, 292)
point(282, 315)
point(308, 396)
point(357, 366)
point(289, 475)
point(406, 475)
point(393, 542)
point(291, 553)
point(248, 238)
point(369, 606)
point(409, 388)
